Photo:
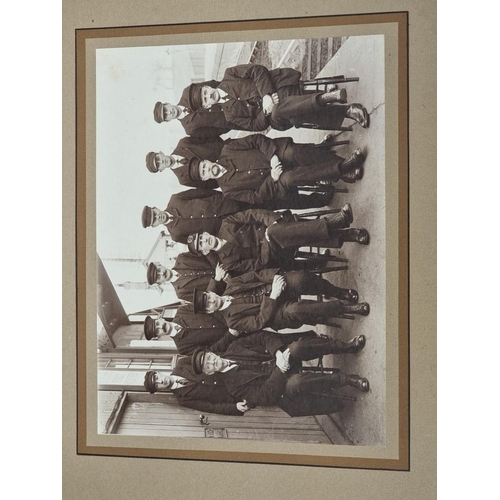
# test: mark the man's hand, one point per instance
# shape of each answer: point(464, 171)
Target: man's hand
point(275, 98)
point(278, 286)
point(242, 406)
point(282, 360)
point(233, 332)
point(275, 161)
point(276, 172)
point(268, 104)
point(221, 273)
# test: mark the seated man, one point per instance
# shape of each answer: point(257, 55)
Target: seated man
point(190, 331)
point(188, 272)
point(191, 211)
point(260, 370)
point(258, 239)
point(257, 300)
point(254, 98)
point(178, 160)
point(255, 169)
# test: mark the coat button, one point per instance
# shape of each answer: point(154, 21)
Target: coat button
point(249, 171)
point(202, 381)
point(202, 215)
point(215, 383)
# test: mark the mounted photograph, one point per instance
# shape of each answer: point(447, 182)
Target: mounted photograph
point(242, 251)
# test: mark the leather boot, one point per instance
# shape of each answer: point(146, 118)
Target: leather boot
point(358, 382)
point(355, 344)
point(349, 295)
point(360, 236)
point(362, 308)
point(354, 160)
point(342, 219)
point(353, 175)
point(339, 96)
point(359, 114)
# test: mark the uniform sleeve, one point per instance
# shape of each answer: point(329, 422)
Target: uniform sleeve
point(254, 215)
point(256, 72)
point(268, 393)
point(267, 311)
point(209, 407)
point(257, 123)
point(255, 141)
point(198, 194)
point(264, 194)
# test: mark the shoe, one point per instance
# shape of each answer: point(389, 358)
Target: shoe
point(355, 344)
point(358, 382)
point(353, 175)
point(347, 211)
point(349, 295)
point(360, 236)
point(359, 114)
point(339, 96)
point(355, 159)
point(331, 86)
point(362, 309)
point(339, 220)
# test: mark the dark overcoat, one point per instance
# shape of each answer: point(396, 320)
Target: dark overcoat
point(198, 210)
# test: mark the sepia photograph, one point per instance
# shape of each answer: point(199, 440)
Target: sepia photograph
point(243, 214)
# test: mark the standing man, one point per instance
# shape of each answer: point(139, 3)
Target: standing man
point(254, 98)
point(189, 272)
point(178, 160)
point(204, 124)
point(191, 211)
point(190, 331)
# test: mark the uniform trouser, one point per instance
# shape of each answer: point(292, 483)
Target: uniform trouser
point(304, 176)
point(308, 348)
point(304, 233)
point(296, 200)
point(293, 314)
point(304, 283)
point(297, 110)
point(303, 155)
point(306, 394)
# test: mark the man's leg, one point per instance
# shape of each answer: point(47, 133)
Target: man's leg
point(298, 110)
point(308, 348)
point(304, 283)
point(317, 383)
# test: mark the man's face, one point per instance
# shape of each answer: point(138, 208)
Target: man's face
point(208, 170)
point(159, 217)
point(209, 96)
point(213, 363)
point(212, 302)
point(162, 328)
point(163, 161)
point(164, 274)
point(171, 111)
point(206, 243)
point(162, 381)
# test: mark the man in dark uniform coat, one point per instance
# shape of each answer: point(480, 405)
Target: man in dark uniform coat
point(204, 124)
point(190, 331)
point(258, 239)
point(189, 272)
point(194, 210)
point(178, 160)
point(266, 298)
point(256, 168)
point(254, 98)
point(260, 370)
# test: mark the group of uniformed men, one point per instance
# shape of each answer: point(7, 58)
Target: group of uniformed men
point(240, 274)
